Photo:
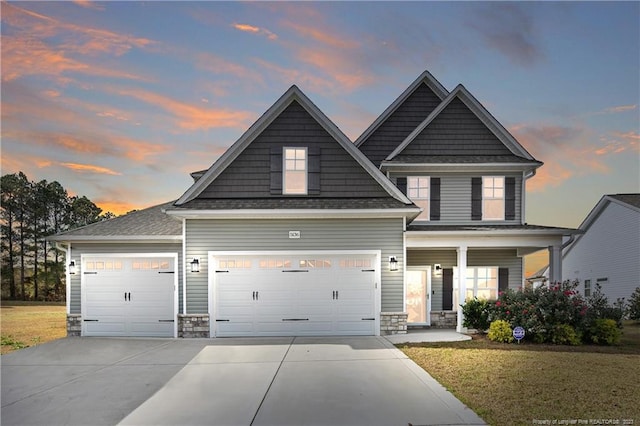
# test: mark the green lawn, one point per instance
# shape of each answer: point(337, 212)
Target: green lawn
point(25, 324)
point(509, 384)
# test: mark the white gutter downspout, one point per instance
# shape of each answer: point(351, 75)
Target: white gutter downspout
point(67, 275)
point(523, 199)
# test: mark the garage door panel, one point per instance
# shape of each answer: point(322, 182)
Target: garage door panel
point(318, 295)
point(125, 296)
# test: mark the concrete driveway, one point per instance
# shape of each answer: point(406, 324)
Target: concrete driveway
point(273, 381)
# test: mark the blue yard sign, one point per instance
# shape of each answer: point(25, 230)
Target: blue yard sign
point(518, 333)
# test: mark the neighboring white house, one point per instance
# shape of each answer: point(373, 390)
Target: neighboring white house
point(608, 252)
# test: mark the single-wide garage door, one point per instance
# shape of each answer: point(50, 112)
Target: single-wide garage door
point(294, 295)
point(128, 296)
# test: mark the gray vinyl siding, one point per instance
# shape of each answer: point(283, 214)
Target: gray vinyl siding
point(413, 111)
point(456, 131)
point(78, 250)
point(249, 174)
point(455, 198)
point(610, 248)
point(502, 258)
point(316, 234)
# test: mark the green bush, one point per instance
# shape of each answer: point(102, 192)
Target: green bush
point(605, 331)
point(500, 331)
point(564, 334)
point(634, 305)
point(476, 314)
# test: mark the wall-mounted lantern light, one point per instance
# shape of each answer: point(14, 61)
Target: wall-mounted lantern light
point(72, 267)
point(195, 264)
point(393, 263)
point(437, 269)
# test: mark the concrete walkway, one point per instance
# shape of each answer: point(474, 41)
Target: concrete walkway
point(274, 381)
point(428, 335)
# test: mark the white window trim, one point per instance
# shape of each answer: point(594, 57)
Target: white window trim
point(475, 282)
point(484, 217)
point(425, 215)
point(284, 170)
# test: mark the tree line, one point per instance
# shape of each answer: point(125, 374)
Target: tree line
point(32, 267)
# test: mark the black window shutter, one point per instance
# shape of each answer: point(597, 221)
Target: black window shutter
point(447, 289)
point(401, 183)
point(434, 213)
point(276, 171)
point(503, 279)
point(313, 174)
point(509, 198)
point(476, 198)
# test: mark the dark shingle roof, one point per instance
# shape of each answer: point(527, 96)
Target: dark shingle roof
point(292, 203)
point(631, 199)
point(152, 222)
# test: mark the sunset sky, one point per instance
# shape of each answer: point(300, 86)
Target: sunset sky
point(120, 101)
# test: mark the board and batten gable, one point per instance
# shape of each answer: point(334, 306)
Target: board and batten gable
point(385, 234)
point(455, 196)
point(400, 124)
point(610, 248)
point(79, 249)
point(248, 176)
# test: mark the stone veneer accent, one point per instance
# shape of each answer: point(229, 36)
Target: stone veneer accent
point(444, 319)
point(393, 323)
point(193, 325)
point(74, 324)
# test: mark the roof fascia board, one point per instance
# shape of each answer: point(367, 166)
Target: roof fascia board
point(472, 240)
point(427, 78)
point(457, 167)
point(476, 107)
point(295, 213)
point(130, 239)
point(495, 232)
point(293, 94)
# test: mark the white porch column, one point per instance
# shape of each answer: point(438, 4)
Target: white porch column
point(555, 264)
point(462, 282)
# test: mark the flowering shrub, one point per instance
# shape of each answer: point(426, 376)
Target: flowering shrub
point(556, 314)
point(500, 331)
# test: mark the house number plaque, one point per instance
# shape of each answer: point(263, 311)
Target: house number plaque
point(294, 234)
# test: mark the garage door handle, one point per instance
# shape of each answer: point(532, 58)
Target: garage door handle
point(256, 295)
point(127, 296)
point(295, 319)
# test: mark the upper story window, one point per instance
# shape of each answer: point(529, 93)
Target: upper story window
point(493, 198)
point(418, 190)
point(295, 171)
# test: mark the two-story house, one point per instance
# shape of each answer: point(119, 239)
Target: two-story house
point(296, 230)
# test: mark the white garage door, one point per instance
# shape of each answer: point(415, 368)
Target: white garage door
point(128, 296)
point(294, 295)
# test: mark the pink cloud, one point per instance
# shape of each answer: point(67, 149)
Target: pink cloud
point(255, 30)
point(89, 168)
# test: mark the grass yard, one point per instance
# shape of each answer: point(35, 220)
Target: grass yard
point(510, 384)
point(25, 324)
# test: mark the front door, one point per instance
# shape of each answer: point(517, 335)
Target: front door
point(418, 298)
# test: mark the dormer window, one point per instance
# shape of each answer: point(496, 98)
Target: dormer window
point(418, 190)
point(294, 178)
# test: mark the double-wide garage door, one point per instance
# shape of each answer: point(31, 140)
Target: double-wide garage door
point(128, 296)
point(294, 295)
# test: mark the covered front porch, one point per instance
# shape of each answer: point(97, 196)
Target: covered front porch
point(446, 265)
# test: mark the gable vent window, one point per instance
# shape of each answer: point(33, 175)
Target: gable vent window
point(418, 192)
point(295, 171)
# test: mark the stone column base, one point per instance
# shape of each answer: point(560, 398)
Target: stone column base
point(444, 319)
point(193, 325)
point(74, 325)
point(393, 323)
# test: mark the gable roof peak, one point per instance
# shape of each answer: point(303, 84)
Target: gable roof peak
point(460, 92)
point(425, 78)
